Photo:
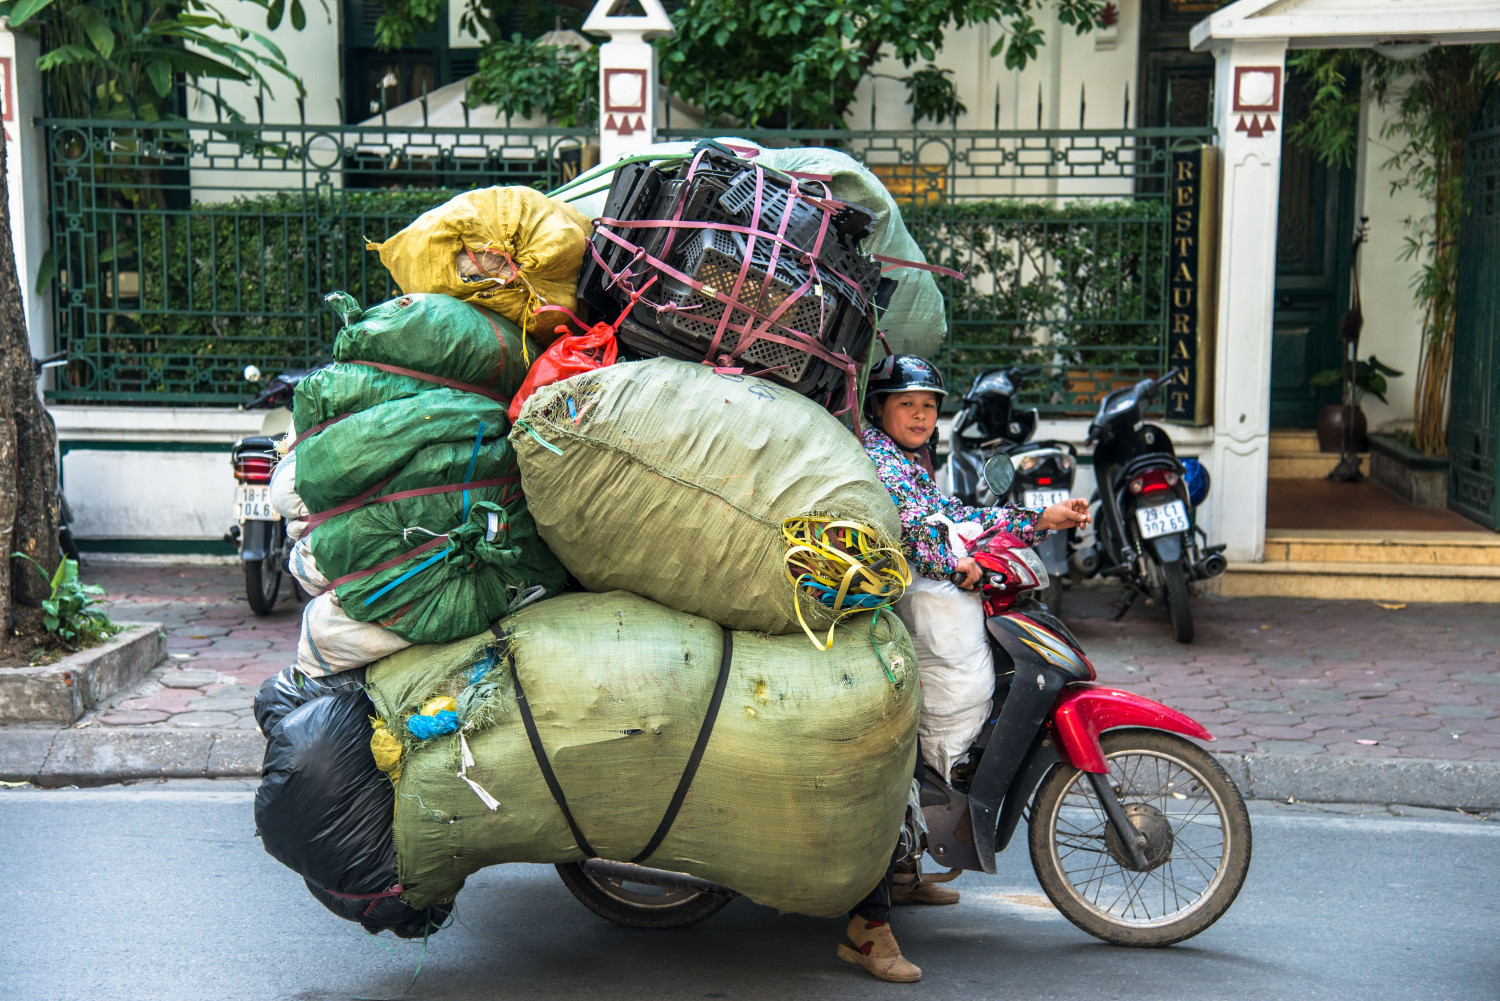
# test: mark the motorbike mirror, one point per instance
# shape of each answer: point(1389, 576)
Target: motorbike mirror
point(999, 474)
point(252, 374)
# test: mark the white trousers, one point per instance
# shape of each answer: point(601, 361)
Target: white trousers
point(957, 671)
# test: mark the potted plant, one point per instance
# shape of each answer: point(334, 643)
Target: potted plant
point(1369, 377)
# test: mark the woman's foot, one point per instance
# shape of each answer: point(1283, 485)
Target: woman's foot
point(870, 944)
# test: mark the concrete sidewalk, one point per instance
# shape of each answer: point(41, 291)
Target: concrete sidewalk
point(1322, 701)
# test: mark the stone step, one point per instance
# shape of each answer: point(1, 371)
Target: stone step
point(1400, 582)
point(1295, 456)
point(1418, 549)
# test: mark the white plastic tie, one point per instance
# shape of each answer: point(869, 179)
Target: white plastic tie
point(489, 801)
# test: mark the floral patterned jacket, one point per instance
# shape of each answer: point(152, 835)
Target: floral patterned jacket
point(925, 513)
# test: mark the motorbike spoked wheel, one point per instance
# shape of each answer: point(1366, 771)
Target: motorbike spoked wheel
point(1197, 850)
point(1179, 596)
point(638, 905)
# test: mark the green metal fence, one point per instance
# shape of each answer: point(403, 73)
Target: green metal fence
point(1474, 429)
point(184, 253)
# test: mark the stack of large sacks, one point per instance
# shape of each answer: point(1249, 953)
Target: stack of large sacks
point(675, 715)
point(399, 486)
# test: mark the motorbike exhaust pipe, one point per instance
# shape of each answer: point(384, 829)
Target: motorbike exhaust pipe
point(630, 873)
point(1213, 566)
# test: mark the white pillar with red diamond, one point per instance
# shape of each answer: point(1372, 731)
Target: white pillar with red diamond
point(627, 73)
point(1248, 116)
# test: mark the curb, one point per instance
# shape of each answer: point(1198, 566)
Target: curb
point(60, 692)
point(50, 758)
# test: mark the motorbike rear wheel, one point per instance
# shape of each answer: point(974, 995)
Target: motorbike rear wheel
point(638, 905)
point(263, 576)
point(1197, 848)
point(1179, 596)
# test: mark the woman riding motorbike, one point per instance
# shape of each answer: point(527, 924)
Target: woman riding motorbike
point(941, 609)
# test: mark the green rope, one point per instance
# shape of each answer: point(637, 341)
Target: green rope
point(540, 440)
point(875, 618)
point(609, 168)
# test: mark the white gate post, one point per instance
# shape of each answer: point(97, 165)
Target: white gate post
point(627, 76)
point(26, 162)
point(1248, 116)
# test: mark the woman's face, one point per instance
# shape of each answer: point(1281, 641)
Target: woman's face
point(909, 418)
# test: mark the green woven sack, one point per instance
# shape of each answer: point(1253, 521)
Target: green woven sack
point(669, 480)
point(491, 558)
point(796, 803)
point(436, 335)
point(348, 458)
point(342, 388)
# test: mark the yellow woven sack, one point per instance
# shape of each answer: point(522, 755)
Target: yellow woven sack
point(511, 249)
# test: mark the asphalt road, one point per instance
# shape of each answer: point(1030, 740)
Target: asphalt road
point(163, 892)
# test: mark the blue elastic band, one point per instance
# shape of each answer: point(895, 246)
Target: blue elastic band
point(408, 575)
point(469, 475)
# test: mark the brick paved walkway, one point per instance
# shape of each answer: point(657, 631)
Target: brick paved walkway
point(1277, 675)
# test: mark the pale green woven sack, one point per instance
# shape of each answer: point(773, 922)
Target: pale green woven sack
point(797, 801)
point(667, 479)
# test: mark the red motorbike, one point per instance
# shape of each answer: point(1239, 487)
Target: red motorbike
point(1137, 835)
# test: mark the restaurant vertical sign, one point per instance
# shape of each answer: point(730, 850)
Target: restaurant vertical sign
point(1192, 272)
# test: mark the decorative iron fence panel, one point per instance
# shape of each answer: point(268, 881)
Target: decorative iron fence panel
point(1474, 428)
point(184, 252)
point(1062, 234)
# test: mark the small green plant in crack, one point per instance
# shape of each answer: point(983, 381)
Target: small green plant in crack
point(73, 611)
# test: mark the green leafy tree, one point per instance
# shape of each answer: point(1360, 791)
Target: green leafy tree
point(1434, 98)
point(773, 63)
point(132, 60)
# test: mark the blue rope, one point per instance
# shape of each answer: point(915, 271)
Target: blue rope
point(408, 575)
point(469, 474)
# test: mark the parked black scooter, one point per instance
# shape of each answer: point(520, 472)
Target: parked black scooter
point(258, 531)
point(989, 424)
point(1145, 531)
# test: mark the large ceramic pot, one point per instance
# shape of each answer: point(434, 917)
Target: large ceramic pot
point(1331, 429)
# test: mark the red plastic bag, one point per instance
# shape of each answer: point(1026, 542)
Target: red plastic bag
point(569, 355)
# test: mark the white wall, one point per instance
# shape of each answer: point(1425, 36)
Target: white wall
point(1393, 321)
point(312, 53)
point(121, 485)
point(26, 180)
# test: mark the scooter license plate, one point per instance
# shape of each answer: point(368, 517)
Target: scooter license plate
point(1163, 519)
point(253, 503)
point(1043, 498)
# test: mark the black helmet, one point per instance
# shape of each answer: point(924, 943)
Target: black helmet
point(900, 374)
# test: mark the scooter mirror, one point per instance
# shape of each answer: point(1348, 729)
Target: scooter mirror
point(999, 474)
point(252, 374)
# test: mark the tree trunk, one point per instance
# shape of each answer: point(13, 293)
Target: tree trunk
point(28, 458)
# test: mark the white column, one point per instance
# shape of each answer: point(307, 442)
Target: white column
point(1248, 116)
point(26, 162)
point(627, 88)
point(627, 75)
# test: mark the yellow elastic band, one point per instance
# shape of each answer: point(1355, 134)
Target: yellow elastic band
point(843, 557)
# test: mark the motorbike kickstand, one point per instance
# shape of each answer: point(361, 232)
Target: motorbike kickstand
point(1132, 839)
point(1130, 597)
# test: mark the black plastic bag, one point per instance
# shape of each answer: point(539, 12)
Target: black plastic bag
point(323, 809)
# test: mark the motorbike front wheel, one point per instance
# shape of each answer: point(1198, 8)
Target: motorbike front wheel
point(638, 905)
point(1179, 594)
point(1197, 849)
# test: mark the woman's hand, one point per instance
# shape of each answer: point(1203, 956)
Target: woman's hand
point(1071, 513)
point(966, 575)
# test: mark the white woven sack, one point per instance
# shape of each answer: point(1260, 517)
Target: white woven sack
point(954, 661)
point(331, 641)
